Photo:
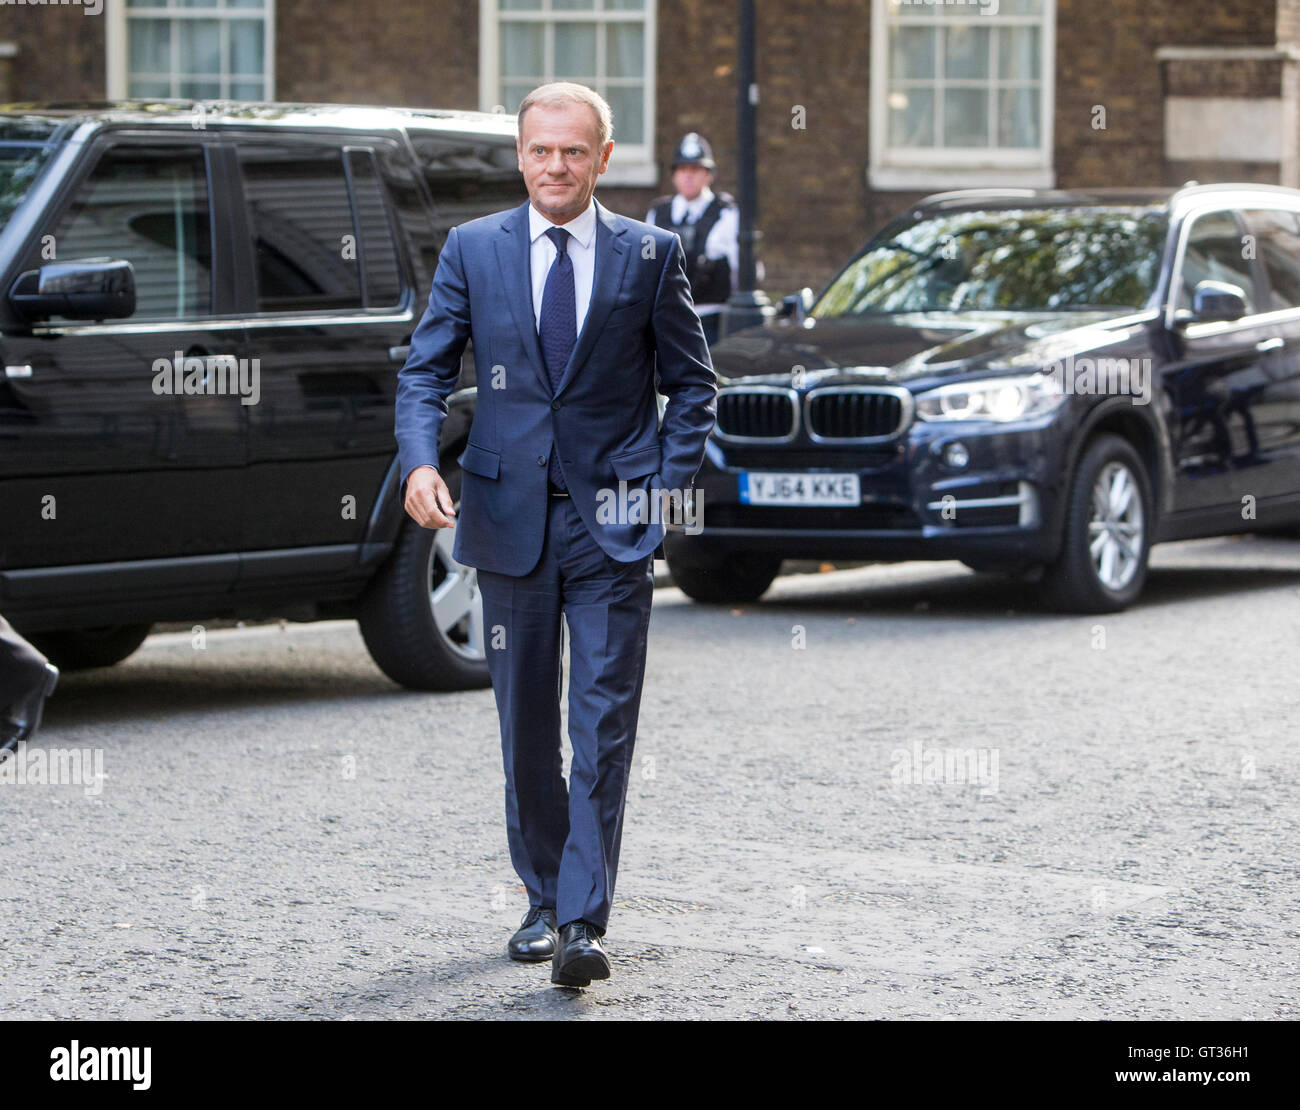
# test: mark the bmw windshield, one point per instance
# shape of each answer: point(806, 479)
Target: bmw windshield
point(1028, 259)
point(27, 144)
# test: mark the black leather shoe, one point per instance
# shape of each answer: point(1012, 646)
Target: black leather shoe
point(24, 716)
point(536, 938)
point(580, 957)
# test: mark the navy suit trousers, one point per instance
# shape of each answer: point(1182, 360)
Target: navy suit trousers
point(564, 840)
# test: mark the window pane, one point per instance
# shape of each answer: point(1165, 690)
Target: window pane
point(1277, 238)
point(966, 52)
point(911, 54)
point(1018, 118)
point(625, 50)
point(521, 5)
point(521, 50)
point(628, 106)
point(1215, 252)
point(573, 5)
point(1018, 53)
point(198, 90)
point(246, 49)
point(149, 206)
point(1020, 7)
point(513, 93)
point(151, 46)
point(136, 87)
point(383, 283)
point(299, 212)
point(625, 5)
point(199, 45)
point(965, 117)
point(911, 117)
point(575, 50)
point(247, 90)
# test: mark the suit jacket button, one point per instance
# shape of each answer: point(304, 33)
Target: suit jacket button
point(556, 406)
point(541, 460)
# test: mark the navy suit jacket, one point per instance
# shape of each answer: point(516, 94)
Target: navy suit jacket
point(640, 331)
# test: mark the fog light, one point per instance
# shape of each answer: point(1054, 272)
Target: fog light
point(956, 455)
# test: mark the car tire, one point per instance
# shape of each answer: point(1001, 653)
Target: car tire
point(422, 616)
point(721, 579)
point(1106, 542)
point(80, 649)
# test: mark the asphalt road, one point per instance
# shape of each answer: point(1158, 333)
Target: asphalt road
point(279, 832)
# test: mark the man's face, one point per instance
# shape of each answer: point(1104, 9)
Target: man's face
point(690, 180)
point(560, 158)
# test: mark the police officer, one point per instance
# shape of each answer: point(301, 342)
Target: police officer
point(708, 224)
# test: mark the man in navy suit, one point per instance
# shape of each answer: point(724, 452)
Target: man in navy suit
point(579, 318)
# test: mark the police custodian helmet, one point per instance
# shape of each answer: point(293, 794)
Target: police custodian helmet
point(693, 150)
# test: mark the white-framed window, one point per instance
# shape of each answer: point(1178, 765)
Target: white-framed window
point(193, 49)
point(606, 44)
point(962, 93)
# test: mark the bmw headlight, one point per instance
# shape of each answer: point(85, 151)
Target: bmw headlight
point(998, 399)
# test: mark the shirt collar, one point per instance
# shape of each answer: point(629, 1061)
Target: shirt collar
point(693, 208)
point(582, 227)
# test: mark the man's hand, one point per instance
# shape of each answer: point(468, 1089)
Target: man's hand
point(428, 500)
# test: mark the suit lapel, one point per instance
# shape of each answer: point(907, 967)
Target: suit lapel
point(611, 263)
point(514, 256)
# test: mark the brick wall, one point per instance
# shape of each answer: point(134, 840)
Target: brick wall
point(407, 53)
point(60, 53)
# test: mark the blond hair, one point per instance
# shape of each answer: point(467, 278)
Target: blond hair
point(570, 92)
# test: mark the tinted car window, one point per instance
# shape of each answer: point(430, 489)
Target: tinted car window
point(1216, 252)
point(468, 177)
point(150, 207)
point(382, 282)
point(300, 216)
point(1277, 244)
point(26, 146)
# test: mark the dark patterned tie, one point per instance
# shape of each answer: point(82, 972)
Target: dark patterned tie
point(558, 327)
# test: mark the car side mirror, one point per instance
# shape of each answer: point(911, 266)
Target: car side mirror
point(83, 289)
point(1218, 300)
point(796, 305)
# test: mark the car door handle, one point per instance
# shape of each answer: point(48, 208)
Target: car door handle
point(12, 372)
point(399, 354)
point(1266, 345)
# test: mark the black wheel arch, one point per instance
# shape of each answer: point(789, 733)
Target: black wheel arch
point(1136, 425)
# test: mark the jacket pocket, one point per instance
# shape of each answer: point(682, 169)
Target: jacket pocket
point(480, 461)
point(633, 464)
point(638, 312)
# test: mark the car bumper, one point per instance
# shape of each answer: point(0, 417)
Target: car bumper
point(1001, 506)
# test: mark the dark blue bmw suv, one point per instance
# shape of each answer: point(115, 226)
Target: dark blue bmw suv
point(1041, 383)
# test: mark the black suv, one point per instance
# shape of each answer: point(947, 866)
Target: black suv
point(1040, 383)
point(203, 307)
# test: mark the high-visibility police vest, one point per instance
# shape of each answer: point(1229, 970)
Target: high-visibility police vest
point(710, 278)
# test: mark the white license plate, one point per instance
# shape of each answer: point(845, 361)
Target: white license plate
point(799, 489)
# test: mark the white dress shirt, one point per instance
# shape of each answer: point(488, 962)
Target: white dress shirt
point(581, 249)
point(724, 237)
